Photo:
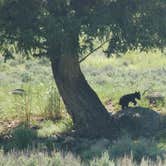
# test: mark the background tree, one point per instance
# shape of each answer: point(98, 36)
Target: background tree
point(53, 28)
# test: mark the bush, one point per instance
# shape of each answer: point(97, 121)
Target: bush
point(26, 77)
point(23, 137)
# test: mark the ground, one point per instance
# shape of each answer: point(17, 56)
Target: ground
point(110, 78)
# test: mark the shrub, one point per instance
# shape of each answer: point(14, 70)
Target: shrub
point(26, 77)
point(23, 137)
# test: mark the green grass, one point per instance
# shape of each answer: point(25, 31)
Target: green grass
point(37, 158)
point(110, 78)
point(132, 60)
point(48, 127)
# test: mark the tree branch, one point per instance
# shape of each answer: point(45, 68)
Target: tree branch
point(84, 58)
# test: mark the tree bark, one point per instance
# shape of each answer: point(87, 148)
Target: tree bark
point(82, 103)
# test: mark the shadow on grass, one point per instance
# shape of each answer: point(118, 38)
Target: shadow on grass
point(138, 121)
point(19, 138)
point(23, 138)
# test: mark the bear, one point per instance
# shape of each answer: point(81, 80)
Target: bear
point(126, 99)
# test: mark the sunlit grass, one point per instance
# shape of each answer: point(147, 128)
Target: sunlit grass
point(59, 159)
point(49, 128)
point(131, 59)
point(110, 78)
point(134, 71)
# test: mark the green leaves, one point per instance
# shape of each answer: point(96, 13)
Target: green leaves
point(139, 24)
point(38, 26)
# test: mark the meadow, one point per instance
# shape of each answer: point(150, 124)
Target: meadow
point(30, 123)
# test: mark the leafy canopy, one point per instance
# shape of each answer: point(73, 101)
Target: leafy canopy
point(42, 26)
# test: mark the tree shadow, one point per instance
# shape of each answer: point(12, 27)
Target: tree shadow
point(161, 135)
point(135, 122)
point(19, 137)
point(138, 121)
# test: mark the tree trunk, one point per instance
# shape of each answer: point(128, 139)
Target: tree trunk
point(82, 103)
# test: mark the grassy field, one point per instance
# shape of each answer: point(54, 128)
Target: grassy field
point(43, 111)
point(135, 71)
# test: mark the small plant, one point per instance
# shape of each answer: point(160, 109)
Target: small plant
point(52, 109)
point(23, 137)
point(26, 77)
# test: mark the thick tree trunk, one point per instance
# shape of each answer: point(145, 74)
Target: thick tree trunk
point(82, 103)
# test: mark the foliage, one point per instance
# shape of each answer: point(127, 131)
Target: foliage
point(23, 137)
point(49, 24)
point(138, 25)
point(25, 77)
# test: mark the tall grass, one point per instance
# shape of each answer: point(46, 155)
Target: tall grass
point(53, 105)
point(22, 102)
point(37, 158)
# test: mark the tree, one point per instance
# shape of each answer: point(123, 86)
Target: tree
point(53, 28)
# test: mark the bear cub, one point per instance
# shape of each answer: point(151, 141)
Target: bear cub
point(126, 99)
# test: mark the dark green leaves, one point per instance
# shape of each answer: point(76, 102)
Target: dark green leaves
point(43, 25)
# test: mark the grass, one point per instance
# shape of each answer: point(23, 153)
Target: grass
point(48, 127)
point(110, 78)
point(134, 71)
point(132, 59)
point(37, 158)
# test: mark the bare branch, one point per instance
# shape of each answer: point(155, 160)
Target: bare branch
point(84, 58)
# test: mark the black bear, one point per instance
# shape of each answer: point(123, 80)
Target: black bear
point(126, 99)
